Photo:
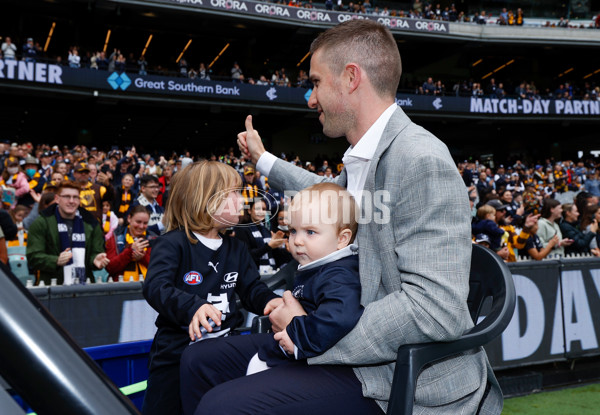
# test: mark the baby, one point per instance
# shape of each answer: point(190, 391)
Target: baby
point(322, 226)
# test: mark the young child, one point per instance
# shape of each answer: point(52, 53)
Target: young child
point(487, 225)
point(195, 273)
point(322, 226)
point(110, 221)
point(18, 214)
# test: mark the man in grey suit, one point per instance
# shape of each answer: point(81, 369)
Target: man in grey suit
point(414, 250)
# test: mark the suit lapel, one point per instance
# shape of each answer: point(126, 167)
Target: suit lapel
point(368, 232)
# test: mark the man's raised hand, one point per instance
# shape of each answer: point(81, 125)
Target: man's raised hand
point(249, 142)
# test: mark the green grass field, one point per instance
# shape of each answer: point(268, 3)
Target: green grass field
point(583, 400)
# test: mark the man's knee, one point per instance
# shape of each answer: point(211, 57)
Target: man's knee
point(223, 401)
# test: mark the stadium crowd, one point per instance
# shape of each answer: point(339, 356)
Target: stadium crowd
point(117, 61)
point(535, 210)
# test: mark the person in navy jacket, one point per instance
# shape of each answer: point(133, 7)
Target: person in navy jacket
point(327, 285)
point(194, 275)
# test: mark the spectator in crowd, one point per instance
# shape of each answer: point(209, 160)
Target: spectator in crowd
point(534, 247)
point(128, 164)
point(74, 58)
point(203, 72)
point(589, 220)
point(183, 67)
point(9, 49)
point(262, 243)
point(31, 51)
point(569, 227)
point(13, 178)
point(129, 249)
point(592, 184)
point(92, 194)
point(549, 227)
point(18, 214)
point(186, 273)
point(236, 73)
point(487, 225)
point(482, 239)
point(124, 197)
point(148, 192)
point(428, 87)
point(36, 180)
point(65, 242)
point(110, 221)
point(142, 64)
point(484, 185)
point(164, 182)
point(251, 186)
point(153, 168)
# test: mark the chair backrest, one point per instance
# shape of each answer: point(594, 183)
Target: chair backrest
point(490, 278)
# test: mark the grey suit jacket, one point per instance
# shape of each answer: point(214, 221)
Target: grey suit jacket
point(414, 271)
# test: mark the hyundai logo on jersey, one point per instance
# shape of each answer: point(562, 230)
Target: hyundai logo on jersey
point(231, 277)
point(193, 278)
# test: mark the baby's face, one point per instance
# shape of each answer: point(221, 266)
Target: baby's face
point(311, 237)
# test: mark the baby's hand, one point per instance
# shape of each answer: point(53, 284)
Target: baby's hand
point(272, 305)
point(201, 317)
point(285, 342)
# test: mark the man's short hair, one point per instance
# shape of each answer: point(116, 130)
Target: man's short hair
point(147, 179)
point(67, 184)
point(367, 43)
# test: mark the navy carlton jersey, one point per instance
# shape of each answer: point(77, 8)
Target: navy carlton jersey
point(183, 276)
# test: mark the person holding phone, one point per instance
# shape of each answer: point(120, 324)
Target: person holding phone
point(129, 249)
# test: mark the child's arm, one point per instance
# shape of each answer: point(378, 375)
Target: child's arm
point(160, 290)
point(338, 311)
point(254, 294)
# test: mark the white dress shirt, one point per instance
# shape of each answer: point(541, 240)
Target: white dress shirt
point(357, 159)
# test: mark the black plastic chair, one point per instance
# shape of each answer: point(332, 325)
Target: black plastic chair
point(489, 277)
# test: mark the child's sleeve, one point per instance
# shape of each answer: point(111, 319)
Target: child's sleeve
point(338, 310)
point(254, 294)
point(160, 290)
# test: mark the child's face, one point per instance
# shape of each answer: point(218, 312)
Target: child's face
point(491, 216)
point(228, 214)
point(105, 207)
point(20, 215)
point(310, 238)
point(258, 212)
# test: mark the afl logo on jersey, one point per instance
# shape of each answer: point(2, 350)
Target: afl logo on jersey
point(193, 278)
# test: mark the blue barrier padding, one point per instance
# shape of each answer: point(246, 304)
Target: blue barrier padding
point(124, 363)
point(118, 350)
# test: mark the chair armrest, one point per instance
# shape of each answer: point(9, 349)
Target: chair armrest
point(261, 324)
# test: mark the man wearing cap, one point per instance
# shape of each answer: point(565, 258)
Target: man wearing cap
point(516, 238)
point(46, 164)
point(251, 186)
point(36, 180)
point(482, 239)
point(92, 194)
point(30, 51)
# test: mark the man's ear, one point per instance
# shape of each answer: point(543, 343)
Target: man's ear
point(344, 238)
point(353, 73)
